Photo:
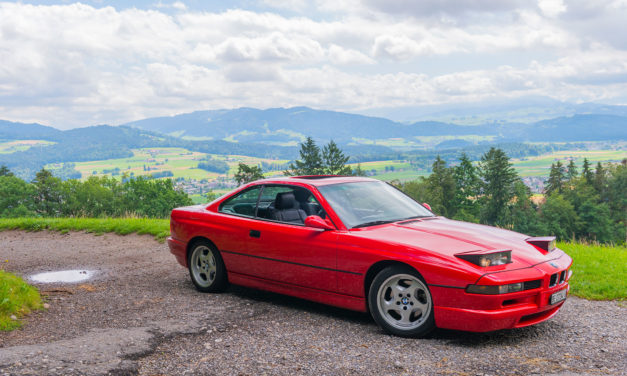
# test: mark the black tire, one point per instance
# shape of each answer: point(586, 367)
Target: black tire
point(206, 267)
point(401, 303)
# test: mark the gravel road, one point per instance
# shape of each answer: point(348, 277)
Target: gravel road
point(141, 315)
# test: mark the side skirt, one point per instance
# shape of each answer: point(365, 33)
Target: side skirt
point(338, 300)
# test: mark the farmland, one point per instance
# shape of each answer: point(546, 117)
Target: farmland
point(8, 147)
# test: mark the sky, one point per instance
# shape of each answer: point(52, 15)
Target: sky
point(69, 64)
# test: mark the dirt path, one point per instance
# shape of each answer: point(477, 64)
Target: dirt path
point(141, 315)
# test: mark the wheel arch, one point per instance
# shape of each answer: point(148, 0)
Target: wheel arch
point(377, 267)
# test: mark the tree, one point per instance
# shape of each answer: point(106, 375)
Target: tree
point(559, 217)
point(4, 171)
point(245, 174)
point(498, 177)
point(572, 170)
point(358, 171)
point(442, 188)
point(523, 215)
point(467, 185)
point(556, 179)
point(586, 172)
point(48, 193)
point(310, 162)
point(600, 181)
point(334, 160)
point(16, 197)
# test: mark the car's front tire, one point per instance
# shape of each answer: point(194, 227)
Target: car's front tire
point(400, 302)
point(206, 268)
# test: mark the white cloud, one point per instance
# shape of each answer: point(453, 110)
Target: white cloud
point(76, 65)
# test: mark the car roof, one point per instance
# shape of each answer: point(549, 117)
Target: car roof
point(315, 180)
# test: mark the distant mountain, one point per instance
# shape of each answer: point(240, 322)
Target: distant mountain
point(285, 125)
point(22, 131)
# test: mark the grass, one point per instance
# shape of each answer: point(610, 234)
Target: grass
point(599, 271)
point(17, 298)
point(541, 165)
point(159, 228)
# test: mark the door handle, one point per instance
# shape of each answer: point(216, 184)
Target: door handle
point(255, 234)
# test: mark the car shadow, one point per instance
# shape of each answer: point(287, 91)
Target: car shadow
point(300, 304)
point(456, 338)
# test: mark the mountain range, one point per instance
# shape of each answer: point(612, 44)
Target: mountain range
point(285, 125)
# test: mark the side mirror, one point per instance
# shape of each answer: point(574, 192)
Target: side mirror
point(317, 222)
point(426, 206)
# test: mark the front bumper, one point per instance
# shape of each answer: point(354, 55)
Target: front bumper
point(458, 310)
point(179, 250)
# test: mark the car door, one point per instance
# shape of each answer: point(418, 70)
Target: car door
point(231, 230)
point(292, 253)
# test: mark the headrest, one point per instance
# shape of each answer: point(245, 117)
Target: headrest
point(285, 200)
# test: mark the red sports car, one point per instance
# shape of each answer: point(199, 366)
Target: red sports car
point(362, 244)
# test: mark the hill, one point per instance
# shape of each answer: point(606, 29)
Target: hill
point(288, 126)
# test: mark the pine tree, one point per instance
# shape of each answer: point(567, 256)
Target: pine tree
point(587, 173)
point(498, 177)
point(556, 179)
point(467, 185)
point(310, 162)
point(442, 188)
point(600, 181)
point(572, 170)
point(334, 160)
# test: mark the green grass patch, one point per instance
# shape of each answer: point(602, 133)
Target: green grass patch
point(599, 271)
point(17, 298)
point(159, 228)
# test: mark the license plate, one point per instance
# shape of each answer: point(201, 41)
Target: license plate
point(558, 297)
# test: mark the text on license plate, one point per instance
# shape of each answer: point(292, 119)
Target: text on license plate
point(558, 297)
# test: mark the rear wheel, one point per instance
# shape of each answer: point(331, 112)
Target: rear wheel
point(206, 268)
point(400, 302)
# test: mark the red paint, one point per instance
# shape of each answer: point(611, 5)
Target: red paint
point(328, 263)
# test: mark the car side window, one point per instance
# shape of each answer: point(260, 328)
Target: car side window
point(243, 203)
point(288, 204)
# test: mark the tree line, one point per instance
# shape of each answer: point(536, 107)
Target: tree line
point(591, 205)
point(49, 196)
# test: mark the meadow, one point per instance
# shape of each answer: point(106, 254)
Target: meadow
point(8, 147)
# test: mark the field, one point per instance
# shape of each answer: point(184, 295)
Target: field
point(9, 147)
point(541, 165)
point(181, 162)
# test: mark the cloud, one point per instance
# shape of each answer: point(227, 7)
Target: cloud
point(74, 64)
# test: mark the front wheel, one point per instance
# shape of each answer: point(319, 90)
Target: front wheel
point(400, 302)
point(206, 268)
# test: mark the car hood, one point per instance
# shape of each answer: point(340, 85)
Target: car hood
point(449, 237)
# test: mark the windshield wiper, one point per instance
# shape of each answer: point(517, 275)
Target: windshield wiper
point(413, 217)
point(373, 223)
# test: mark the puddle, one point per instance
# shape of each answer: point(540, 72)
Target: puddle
point(63, 276)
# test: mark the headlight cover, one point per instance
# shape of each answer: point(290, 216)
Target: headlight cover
point(546, 243)
point(500, 257)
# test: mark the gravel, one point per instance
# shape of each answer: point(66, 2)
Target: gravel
point(141, 315)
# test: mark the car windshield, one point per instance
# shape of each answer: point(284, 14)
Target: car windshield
point(362, 204)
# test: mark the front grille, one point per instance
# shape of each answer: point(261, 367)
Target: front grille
point(553, 280)
point(528, 285)
point(558, 278)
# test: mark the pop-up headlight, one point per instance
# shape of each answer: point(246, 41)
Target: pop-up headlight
point(492, 258)
point(546, 243)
